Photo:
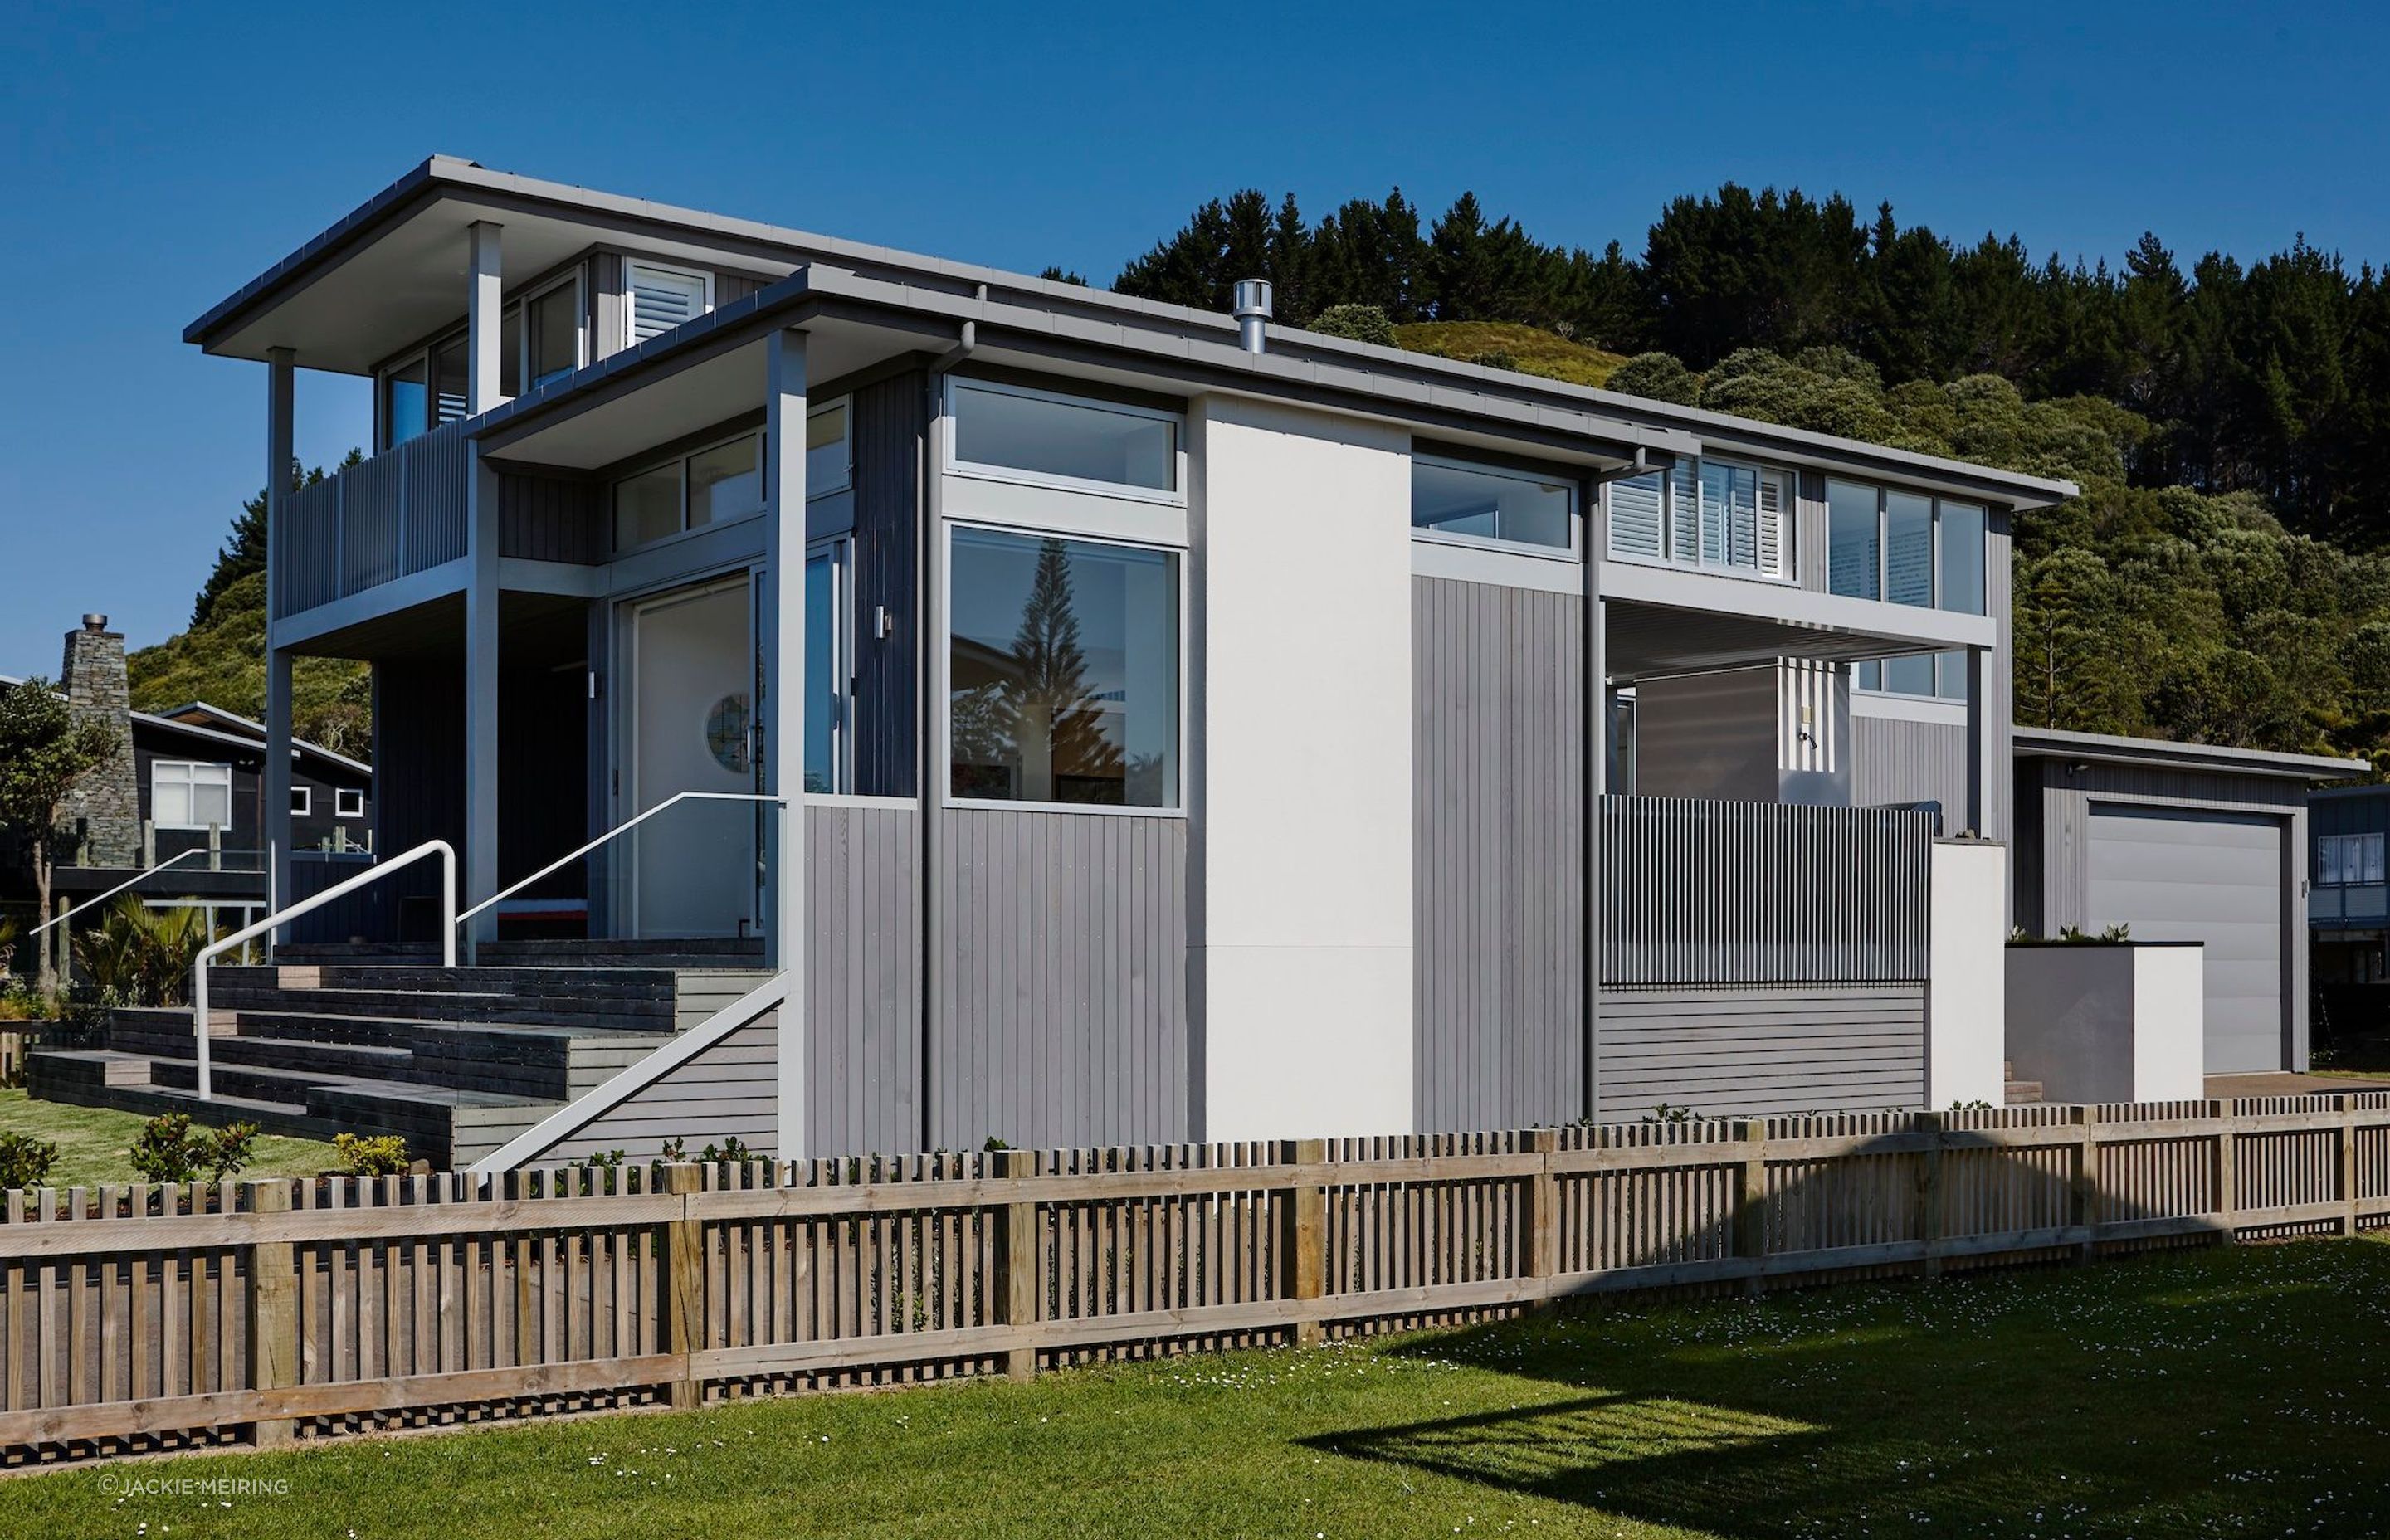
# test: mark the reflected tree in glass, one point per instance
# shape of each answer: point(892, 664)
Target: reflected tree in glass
point(1054, 720)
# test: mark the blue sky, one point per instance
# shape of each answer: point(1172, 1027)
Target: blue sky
point(160, 156)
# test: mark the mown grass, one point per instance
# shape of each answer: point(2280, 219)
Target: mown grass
point(2219, 1393)
point(1532, 349)
point(93, 1140)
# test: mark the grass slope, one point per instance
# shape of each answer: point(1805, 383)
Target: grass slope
point(92, 1142)
point(2219, 1393)
point(1534, 350)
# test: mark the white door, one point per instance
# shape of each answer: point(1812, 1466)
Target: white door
point(692, 674)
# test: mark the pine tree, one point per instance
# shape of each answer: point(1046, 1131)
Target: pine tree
point(1046, 704)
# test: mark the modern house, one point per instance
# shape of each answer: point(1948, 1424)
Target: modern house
point(1113, 723)
point(178, 817)
point(2348, 906)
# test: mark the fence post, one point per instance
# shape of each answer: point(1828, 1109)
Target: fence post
point(2082, 1181)
point(1751, 1194)
point(684, 1290)
point(270, 1306)
point(1303, 1236)
point(1929, 1191)
point(1017, 1245)
point(2345, 1141)
point(2227, 1173)
point(1543, 1216)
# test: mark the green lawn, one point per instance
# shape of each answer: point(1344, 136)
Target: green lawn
point(2219, 1393)
point(92, 1142)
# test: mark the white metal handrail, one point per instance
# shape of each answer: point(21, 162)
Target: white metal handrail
point(623, 827)
point(440, 848)
point(111, 894)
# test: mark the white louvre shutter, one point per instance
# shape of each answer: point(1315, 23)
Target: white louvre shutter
point(661, 297)
point(1685, 511)
point(1635, 517)
point(1771, 524)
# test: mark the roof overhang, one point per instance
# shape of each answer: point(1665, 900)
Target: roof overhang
point(1665, 621)
point(392, 270)
point(2160, 753)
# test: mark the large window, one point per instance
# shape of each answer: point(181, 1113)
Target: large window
point(1021, 433)
point(722, 481)
point(2344, 859)
point(1908, 548)
point(1478, 502)
point(432, 386)
point(1718, 514)
point(1062, 668)
point(187, 795)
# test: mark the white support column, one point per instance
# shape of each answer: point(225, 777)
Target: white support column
point(782, 649)
point(281, 384)
point(481, 327)
point(482, 698)
point(1983, 742)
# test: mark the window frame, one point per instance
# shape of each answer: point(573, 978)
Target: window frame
point(348, 801)
point(1575, 485)
point(631, 266)
point(689, 449)
point(839, 551)
point(2361, 854)
point(581, 340)
point(303, 802)
point(419, 355)
point(1788, 544)
point(952, 463)
point(943, 789)
point(1934, 565)
point(191, 785)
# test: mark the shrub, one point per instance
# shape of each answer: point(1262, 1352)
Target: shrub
point(372, 1154)
point(1657, 376)
point(676, 1150)
point(25, 1161)
point(170, 1149)
point(1496, 359)
point(1359, 323)
point(142, 955)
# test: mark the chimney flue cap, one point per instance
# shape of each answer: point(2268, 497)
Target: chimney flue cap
point(95, 622)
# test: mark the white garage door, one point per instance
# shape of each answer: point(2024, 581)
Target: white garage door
point(2207, 877)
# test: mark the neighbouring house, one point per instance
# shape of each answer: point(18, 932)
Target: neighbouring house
point(177, 818)
point(2348, 917)
point(1005, 709)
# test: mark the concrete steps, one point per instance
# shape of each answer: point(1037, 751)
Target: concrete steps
point(456, 1060)
point(2021, 1093)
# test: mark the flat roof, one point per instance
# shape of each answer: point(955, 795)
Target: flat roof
point(2108, 749)
point(1070, 313)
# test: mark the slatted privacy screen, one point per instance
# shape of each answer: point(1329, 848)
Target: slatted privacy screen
point(1697, 892)
point(139, 1317)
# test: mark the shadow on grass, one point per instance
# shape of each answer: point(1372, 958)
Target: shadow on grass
point(2200, 1393)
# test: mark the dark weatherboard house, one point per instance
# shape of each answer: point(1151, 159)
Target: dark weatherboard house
point(178, 816)
point(999, 708)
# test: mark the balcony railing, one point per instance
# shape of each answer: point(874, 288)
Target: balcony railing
point(1701, 893)
point(402, 511)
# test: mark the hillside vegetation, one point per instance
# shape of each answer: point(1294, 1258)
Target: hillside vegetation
point(2222, 577)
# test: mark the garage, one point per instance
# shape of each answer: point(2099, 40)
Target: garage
point(2213, 877)
point(2179, 842)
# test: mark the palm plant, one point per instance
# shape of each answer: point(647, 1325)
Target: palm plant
point(143, 956)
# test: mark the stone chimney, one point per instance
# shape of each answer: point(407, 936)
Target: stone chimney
point(106, 802)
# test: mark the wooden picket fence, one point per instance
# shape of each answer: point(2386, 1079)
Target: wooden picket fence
point(141, 1317)
point(17, 1045)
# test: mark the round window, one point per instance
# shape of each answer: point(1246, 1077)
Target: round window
point(726, 733)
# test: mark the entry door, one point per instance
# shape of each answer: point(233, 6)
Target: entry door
point(692, 678)
point(2215, 878)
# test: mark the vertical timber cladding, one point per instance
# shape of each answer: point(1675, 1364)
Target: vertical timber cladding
point(1499, 741)
point(1762, 958)
point(863, 977)
point(1064, 1016)
point(889, 422)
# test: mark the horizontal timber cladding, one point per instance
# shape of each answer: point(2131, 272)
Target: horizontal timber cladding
point(1740, 1052)
point(1730, 893)
point(729, 1091)
point(1498, 836)
point(1061, 1013)
point(862, 982)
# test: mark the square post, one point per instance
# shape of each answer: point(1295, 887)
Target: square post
point(483, 329)
point(1983, 743)
point(270, 1303)
point(1303, 1238)
point(281, 386)
point(1019, 1242)
point(482, 600)
point(780, 690)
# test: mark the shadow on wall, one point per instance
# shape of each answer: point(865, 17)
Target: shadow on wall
point(2109, 1400)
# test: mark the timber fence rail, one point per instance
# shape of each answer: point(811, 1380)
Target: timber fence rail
point(146, 1316)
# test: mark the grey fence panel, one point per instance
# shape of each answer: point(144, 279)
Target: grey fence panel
point(306, 549)
point(436, 467)
point(365, 525)
point(1728, 893)
point(369, 523)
